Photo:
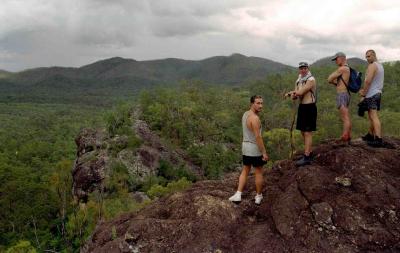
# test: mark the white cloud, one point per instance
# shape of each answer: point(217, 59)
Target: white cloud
point(74, 32)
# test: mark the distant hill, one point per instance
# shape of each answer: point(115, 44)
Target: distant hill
point(4, 73)
point(233, 69)
point(326, 61)
point(118, 77)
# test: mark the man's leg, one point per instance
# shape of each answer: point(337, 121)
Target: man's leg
point(237, 197)
point(304, 138)
point(259, 179)
point(306, 159)
point(371, 124)
point(375, 123)
point(243, 177)
point(259, 184)
point(307, 143)
point(345, 117)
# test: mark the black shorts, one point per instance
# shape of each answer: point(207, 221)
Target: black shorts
point(307, 117)
point(374, 102)
point(255, 161)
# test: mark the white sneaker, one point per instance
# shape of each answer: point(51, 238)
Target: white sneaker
point(258, 199)
point(237, 197)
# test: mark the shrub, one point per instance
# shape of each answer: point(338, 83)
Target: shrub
point(22, 247)
point(159, 191)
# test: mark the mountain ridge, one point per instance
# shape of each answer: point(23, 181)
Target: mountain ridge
point(183, 68)
point(109, 64)
point(118, 77)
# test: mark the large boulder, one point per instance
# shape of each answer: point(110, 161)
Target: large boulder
point(97, 151)
point(90, 166)
point(304, 210)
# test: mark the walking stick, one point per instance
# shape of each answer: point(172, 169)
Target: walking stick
point(292, 147)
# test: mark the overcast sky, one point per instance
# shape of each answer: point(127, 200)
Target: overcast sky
point(73, 33)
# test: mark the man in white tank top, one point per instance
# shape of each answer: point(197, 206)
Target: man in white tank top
point(372, 91)
point(253, 150)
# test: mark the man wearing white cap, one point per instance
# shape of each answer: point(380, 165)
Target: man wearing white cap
point(340, 78)
point(305, 91)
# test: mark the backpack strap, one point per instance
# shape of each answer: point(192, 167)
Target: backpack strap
point(343, 81)
point(345, 84)
point(312, 92)
point(313, 96)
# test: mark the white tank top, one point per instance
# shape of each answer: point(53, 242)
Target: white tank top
point(377, 82)
point(249, 144)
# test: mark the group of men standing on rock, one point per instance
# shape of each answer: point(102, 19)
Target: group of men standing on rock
point(253, 149)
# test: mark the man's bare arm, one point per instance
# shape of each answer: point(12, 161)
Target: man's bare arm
point(371, 71)
point(334, 76)
point(304, 89)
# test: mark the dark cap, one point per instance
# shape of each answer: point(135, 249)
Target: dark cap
point(338, 54)
point(303, 64)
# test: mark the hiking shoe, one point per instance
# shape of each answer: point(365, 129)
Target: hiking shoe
point(367, 137)
point(304, 161)
point(376, 143)
point(236, 198)
point(258, 198)
point(302, 156)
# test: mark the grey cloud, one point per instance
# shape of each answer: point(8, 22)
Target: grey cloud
point(111, 24)
point(131, 5)
point(20, 41)
point(194, 7)
point(105, 31)
point(318, 39)
point(77, 32)
point(105, 38)
point(170, 19)
point(256, 14)
point(170, 27)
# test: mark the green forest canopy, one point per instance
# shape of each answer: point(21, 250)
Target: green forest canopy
point(37, 147)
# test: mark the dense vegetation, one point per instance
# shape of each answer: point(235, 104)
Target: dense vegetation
point(205, 121)
point(37, 148)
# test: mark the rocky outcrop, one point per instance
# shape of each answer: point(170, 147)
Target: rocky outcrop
point(95, 155)
point(308, 209)
point(153, 150)
point(89, 168)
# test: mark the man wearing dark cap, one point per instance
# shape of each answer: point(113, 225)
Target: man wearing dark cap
point(340, 78)
point(305, 91)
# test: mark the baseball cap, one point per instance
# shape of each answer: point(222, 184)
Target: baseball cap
point(338, 54)
point(303, 64)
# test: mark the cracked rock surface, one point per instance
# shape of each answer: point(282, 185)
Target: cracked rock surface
point(304, 210)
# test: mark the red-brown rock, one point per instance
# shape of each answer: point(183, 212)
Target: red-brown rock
point(361, 217)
